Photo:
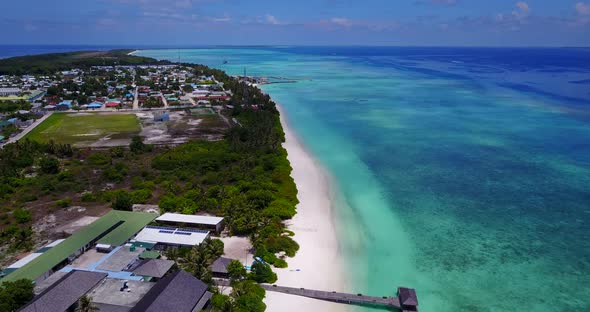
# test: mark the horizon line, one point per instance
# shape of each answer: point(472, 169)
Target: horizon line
point(189, 46)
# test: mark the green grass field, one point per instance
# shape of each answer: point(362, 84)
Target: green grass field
point(77, 128)
point(202, 111)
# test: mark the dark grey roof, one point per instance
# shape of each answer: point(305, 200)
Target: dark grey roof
point(153, 267)
point(105, 307)
point(177, 292)
point(407, 296)
point(65, 292)
point(220, 265)
point(203, 302)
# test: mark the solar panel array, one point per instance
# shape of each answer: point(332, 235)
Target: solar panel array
point(194, 231)
point(179, 231)
point(159, 227)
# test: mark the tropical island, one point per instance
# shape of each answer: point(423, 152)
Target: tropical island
point(122, 172)
point(52, 177)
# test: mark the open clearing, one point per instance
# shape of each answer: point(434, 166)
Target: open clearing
point(108, 129)
point(83, 129)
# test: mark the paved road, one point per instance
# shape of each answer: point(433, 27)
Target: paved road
point(164, 101)
point(135, 100)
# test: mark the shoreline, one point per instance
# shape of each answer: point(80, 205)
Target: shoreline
point(318, 263)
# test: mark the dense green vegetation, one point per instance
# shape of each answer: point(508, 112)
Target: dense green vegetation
point(246, 296)
point(13, 106)
point(50, 63)
point(198, 259)
point(245, 177)
point(14, 295)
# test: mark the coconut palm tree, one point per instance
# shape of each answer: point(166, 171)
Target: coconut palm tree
point(85, 305)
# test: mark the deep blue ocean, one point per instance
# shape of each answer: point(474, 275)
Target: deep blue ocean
point(462, 172)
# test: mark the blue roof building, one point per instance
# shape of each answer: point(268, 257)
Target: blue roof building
point(95, 105)
point(67, 103)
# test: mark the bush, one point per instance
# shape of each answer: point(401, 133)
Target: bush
point(99, 159)
point(22, 216)
point(248, 297)
point(88, 197)
point(280, 208)
point(281, 243)
point(141, 196)
point(117, 152)
point(49, 165)
point(262, 273)
point(123, 202)
point(113, 175)
point(280, 263)
point(137, 146)
point(236, 271)
point(63, 203)
point(14, 295)
point(66, 176)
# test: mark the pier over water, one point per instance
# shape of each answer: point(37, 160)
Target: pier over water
point(405, 301)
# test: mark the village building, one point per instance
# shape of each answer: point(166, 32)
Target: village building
point(166, 237)
point(210, 223)
point(179, 292)
point(64, 294)
point(219, 267)
point(10, 91)
point(153, 269)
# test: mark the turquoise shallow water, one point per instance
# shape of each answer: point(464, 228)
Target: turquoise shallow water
point(463, 173)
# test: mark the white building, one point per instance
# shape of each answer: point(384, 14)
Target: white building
point(164, 237)
point(198, 222)
point(10, 91)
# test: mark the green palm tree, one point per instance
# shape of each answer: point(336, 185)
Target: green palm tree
point(85, 305)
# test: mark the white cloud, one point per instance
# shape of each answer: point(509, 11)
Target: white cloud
point(583, 8)
point(163, 14)
point(523, 10)
point(270, 19)
point(341, 21)
point(224, 19)
point(523, 6)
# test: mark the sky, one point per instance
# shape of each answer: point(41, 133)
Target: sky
point(297, 22)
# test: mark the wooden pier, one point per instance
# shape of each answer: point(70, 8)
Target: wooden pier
point(393, 303)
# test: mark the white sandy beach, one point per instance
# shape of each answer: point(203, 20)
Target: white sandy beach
point(318, 264)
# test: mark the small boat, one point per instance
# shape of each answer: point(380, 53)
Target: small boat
point(225, 62)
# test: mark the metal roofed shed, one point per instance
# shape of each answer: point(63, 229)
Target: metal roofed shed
point(149, 254)
point(154, 268)
point(203, 222)
point(408, 299)
point(65, 293)
point(178, 292)
point(219, 267)
point(171, 236)
point(104, 248)
point(114, 228)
